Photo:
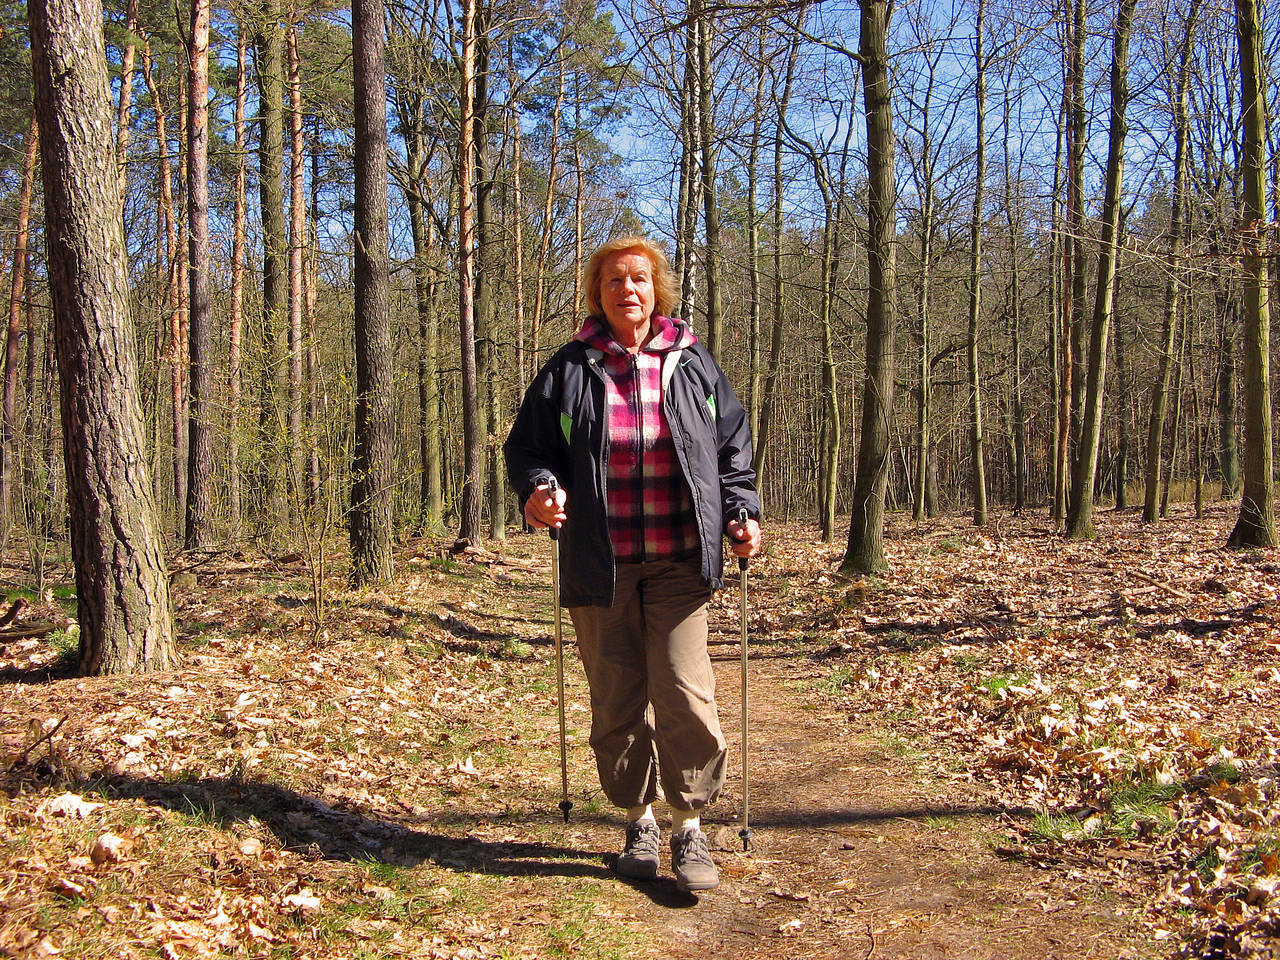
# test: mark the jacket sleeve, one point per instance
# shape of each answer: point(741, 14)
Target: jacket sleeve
point(534, 450)
point(733, 442)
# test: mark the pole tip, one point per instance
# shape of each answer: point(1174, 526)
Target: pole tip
point(745, 834)
point(565, 807)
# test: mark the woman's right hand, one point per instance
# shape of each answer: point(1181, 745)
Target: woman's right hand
point(545, 508)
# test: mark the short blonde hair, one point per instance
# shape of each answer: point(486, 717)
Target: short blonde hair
point(665, 295)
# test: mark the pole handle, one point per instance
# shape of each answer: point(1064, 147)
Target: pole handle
point(742, 518)
point(553, 532)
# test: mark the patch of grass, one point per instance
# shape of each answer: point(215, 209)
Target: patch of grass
point(1052, 827)
point(1142, 801)
point(997, 682)
point(891, 745)
point(66, 645)
point(444, 564)
point(1265, 855)
point(515, 649)
point(967, 662)
point(948, 545)
point(1207, 863)
point(838, 681)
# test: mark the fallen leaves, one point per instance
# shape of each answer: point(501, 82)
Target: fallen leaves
point(1132, 708)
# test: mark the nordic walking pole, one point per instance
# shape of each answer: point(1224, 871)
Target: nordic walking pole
point(745, 832)
point(565, 803)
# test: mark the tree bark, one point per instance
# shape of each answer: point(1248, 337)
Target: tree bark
point(471, 482)
point(122, 586)
point(236, 320)
point(199, 505)
point(13, 334)
point(1172, 292)
point(977, 456)
point(269, 59)
point(127, 59)
point(1256, 524)
point(1080, 510)
point(865, 552)
point(374, 447)
point(297, 252)
point(710, 200)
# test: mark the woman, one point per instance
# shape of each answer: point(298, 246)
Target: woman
point(651, 453)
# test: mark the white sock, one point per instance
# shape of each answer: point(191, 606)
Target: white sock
point(685, 820)
point(643, 812)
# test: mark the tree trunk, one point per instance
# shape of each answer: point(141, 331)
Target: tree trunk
point(1059, 341)
point(127, 58)
point(13, 334)
point(761, 446)
point(754, 373)
point(1080, 510)
point(236, 320)
point(1124, 413)
point(1078, 137)
point(471, 482)
point(1229, 451)
point(487, 252)
point(374, 448)
point(430, 496)
point(1256, 524)
point(297, 252)
point(977, 456)
point(269, 59)
point(199, 505)
point(122, 587)
point(1178, 220)
point(710, 201)
point(865, 550)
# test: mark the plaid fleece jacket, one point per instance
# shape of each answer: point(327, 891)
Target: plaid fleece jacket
point(649, 507)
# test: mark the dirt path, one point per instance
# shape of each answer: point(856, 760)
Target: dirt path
point(857, 854)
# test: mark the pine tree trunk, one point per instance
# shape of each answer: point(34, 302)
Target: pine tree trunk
point(269, 60)
point(469, 529)
point(127, 59)
point(236, 320)
point(199, 504)
point(122, 587)
point(374, 448)
point(13, 334)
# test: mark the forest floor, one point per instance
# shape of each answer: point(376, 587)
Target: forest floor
point(1010, 745)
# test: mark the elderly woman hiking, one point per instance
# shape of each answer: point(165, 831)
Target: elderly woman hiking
point(651, 454)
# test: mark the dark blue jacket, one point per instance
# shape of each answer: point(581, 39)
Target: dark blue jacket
point(560, 432)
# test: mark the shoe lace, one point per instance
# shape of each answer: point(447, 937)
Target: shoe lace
point(642, 838)
point(693, 848)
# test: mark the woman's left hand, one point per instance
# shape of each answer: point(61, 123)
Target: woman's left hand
point(744, 538)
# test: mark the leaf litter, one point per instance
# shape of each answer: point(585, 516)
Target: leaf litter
point(389, 787)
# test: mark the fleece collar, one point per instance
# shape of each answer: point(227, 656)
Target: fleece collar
point(667, 334)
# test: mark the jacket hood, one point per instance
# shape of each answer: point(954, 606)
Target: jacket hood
point(667, 334)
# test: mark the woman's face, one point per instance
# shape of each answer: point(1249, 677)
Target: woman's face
point(626, 291)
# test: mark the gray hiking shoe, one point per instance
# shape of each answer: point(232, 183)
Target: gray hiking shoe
point(639, 858)
point(691, 862)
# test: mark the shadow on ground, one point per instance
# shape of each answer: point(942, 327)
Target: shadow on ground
point(313, 829)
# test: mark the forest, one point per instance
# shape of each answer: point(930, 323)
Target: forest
point(991, 279)
point(1068, 285)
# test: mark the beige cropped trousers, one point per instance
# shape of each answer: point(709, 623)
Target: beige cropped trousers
point(653, 708)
